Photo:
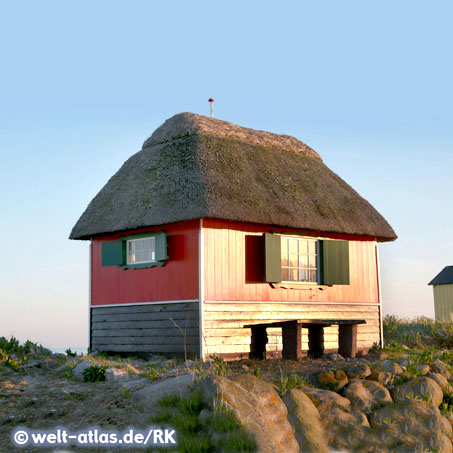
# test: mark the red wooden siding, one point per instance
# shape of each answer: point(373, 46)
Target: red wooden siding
point(176, 280)
point(234, 263)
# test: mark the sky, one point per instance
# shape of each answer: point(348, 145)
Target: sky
point(368, 85)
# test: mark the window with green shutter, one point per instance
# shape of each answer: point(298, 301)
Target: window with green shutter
point(136, 251)
point(295, 259)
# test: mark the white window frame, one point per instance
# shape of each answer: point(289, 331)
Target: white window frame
point(302, 238)
point(153, 250)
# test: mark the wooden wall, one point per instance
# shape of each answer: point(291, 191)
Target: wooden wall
point(223, 332)
point(234, 268)
point(176, 280)
point(443, 302)
point(170, 329)
point(235, 293)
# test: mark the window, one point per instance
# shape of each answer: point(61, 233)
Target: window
point(299, 260)
point(136, 251)
point(140, 251)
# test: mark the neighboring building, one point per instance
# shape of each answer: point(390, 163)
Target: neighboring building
point(211, 227)
point(443, 294)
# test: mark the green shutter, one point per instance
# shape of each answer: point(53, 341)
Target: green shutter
point(112, 253)
point(273, 258)
point(161, 246)
point(335, 262)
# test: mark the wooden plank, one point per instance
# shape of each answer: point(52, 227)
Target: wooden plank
point(162, 349)
point(148, 308)
point(285, 306)
point(169, 332)
point(142, 324)
point(280, 316)
point(178, 315)
point(147, 340)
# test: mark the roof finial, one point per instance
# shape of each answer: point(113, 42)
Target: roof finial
point(211, 103)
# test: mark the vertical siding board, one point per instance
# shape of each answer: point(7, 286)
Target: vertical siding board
point(229, 238)
point(176, 280)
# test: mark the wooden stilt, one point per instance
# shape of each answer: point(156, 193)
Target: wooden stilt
point(347, 340)
point(292, 343)
point(258, 343)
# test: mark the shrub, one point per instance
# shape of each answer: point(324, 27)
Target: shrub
point(94, 373)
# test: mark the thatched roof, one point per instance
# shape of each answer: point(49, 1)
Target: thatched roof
point(197, 167)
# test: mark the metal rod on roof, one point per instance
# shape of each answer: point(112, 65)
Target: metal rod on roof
point(211, 103)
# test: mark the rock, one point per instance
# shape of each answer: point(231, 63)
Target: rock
point(404, 346)
point(334, 356)
point(257, 406)
point(419, 426)
point(116, 374)
point(422, 388)
point(336, 412)
point(392, 367)
point(439, 367)
point(304, 417)
point(383, 377)
point(148, 394)
point(378, 355)
point(423, 368)
point(367, 395)
point(361, 370)
point(77, 371)
point(132, 370)
point(331, 380)
point(205, 416)
point(442, 381)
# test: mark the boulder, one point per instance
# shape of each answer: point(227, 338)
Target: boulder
point(148, 394)
point(304, 417)
point(116, 374)
point(258, 407)
point(331, 380)
point(378, 355)
point(439, 367)
point(336, 412)
point(414, 426)
point(423, 368)
point(422, 388)
point(383, 377)
point(367, 395)
point(442, 381)
point(392, 367)
point(358, 371)
point(77, 371)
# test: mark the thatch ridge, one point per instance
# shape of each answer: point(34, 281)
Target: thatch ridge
point(185, 124)
point(181, 174)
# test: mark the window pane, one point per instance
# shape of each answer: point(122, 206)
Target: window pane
point(293, 260)
point(284, 274)
point(139, 256)
point(285, 259)
point(313, 276)
point(293, 277)
point(302, 275)
point(147, 255)
point(284, 245)
point(131, 257)
point(292, 245)
point(138, 245)
point(303, 261)
point(312, 247)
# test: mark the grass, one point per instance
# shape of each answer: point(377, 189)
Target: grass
point(219, 432)
point(418, 333)
point(287, 382)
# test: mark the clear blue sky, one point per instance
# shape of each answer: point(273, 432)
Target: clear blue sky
point(82, 84)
